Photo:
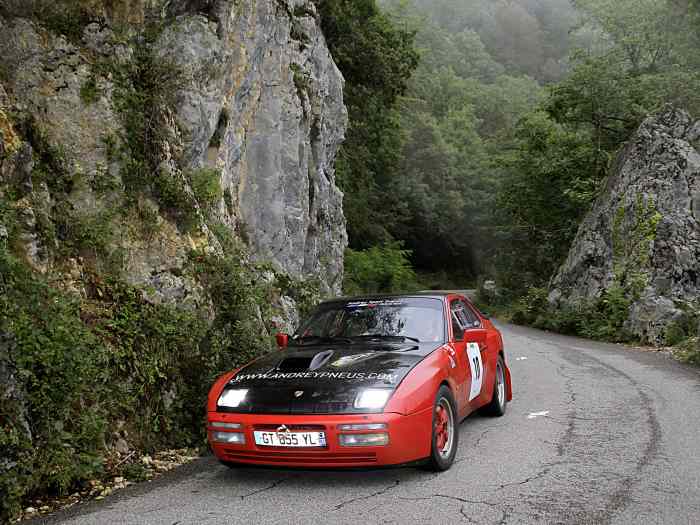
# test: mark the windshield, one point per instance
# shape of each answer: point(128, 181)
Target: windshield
point(419, 319)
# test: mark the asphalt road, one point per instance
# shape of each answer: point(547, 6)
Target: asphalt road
point(595, 434)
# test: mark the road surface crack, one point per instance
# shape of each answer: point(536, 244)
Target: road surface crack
point(271, 486)
point(368, 496)
point(462, 509)
point(537, 476)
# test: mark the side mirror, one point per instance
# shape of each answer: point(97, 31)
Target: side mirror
point(282, 340)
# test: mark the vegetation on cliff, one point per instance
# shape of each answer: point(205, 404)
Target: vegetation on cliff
point(91, 363)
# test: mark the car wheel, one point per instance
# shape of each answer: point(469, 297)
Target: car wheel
point(497, 406)
point(444, 432)
point(229, 464)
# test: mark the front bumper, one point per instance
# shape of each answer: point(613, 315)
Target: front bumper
point(409, 440)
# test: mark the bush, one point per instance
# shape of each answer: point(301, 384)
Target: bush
point(689, 351)
point(379, 269)
point(84, 364)
point(242, 302)
point(206, 185)
point(58, 364)
point(529, 308)
point(602, 319)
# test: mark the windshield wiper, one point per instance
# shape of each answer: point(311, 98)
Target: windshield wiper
point(317, 339)
point(380, 337)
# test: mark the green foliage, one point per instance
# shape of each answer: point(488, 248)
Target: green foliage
point(645, 58)
point(206, 185)
point(62, 17)
point(602, 319)
point(674, 334)
point(631, 245)
point(549, 180)
point(689, 351)
point(457, 112)
point(305, 292)
point(58, 366)
point(376, 58)
point(242, 302)
point(638, 56)
point(89, 92)
point(154, 360)
point(146, 86)
point(684, 327)
point(379, 269)
point(531, 37)
point(84, 363)
point(530, 307)
point(603, 96)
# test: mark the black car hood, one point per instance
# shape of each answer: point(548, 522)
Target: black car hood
point(323, 379)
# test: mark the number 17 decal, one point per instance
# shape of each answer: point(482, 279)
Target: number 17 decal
point(477, 369)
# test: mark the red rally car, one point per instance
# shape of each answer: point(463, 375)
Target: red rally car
point(366, 381)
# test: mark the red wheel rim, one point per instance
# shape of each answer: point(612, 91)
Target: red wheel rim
point(443, 417)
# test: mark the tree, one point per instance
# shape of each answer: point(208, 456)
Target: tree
point(648, 61)
point(376, 58)
point(549, 180)
point(516, 39)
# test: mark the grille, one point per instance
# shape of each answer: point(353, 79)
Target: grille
point(315, 458)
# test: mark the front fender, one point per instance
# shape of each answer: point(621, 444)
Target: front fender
point(417, 391)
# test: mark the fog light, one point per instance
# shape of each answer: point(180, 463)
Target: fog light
point(235, 438)
point(221, 424)
point(363, 426)
point(364, 440)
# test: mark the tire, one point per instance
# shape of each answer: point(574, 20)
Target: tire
point(229, 464)
point(497, 406)
point(444, 433)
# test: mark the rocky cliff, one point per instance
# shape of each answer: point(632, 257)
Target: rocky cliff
point(167, 201)
point(642, 236)
point(210, 118)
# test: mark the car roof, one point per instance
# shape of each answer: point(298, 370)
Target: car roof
point(431, 294)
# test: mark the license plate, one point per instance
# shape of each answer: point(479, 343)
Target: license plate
point(290, 439)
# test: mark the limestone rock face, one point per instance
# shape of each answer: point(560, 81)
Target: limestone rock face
point(267, 86)
point(643, 233)
point(260, 102)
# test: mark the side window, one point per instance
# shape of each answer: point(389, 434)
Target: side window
point(459, 320)
point(472, 318)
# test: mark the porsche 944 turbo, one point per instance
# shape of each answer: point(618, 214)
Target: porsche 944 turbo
point(366, 381)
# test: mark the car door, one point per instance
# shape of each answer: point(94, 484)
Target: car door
point(458, 355)
point(473, 348)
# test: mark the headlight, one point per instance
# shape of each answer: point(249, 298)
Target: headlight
point(372, 398)
point(232, 398)
point(364, 440)
point(233, 438)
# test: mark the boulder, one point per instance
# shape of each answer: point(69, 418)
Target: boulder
point(643, 234)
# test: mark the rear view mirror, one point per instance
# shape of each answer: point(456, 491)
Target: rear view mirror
point(282, 340)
